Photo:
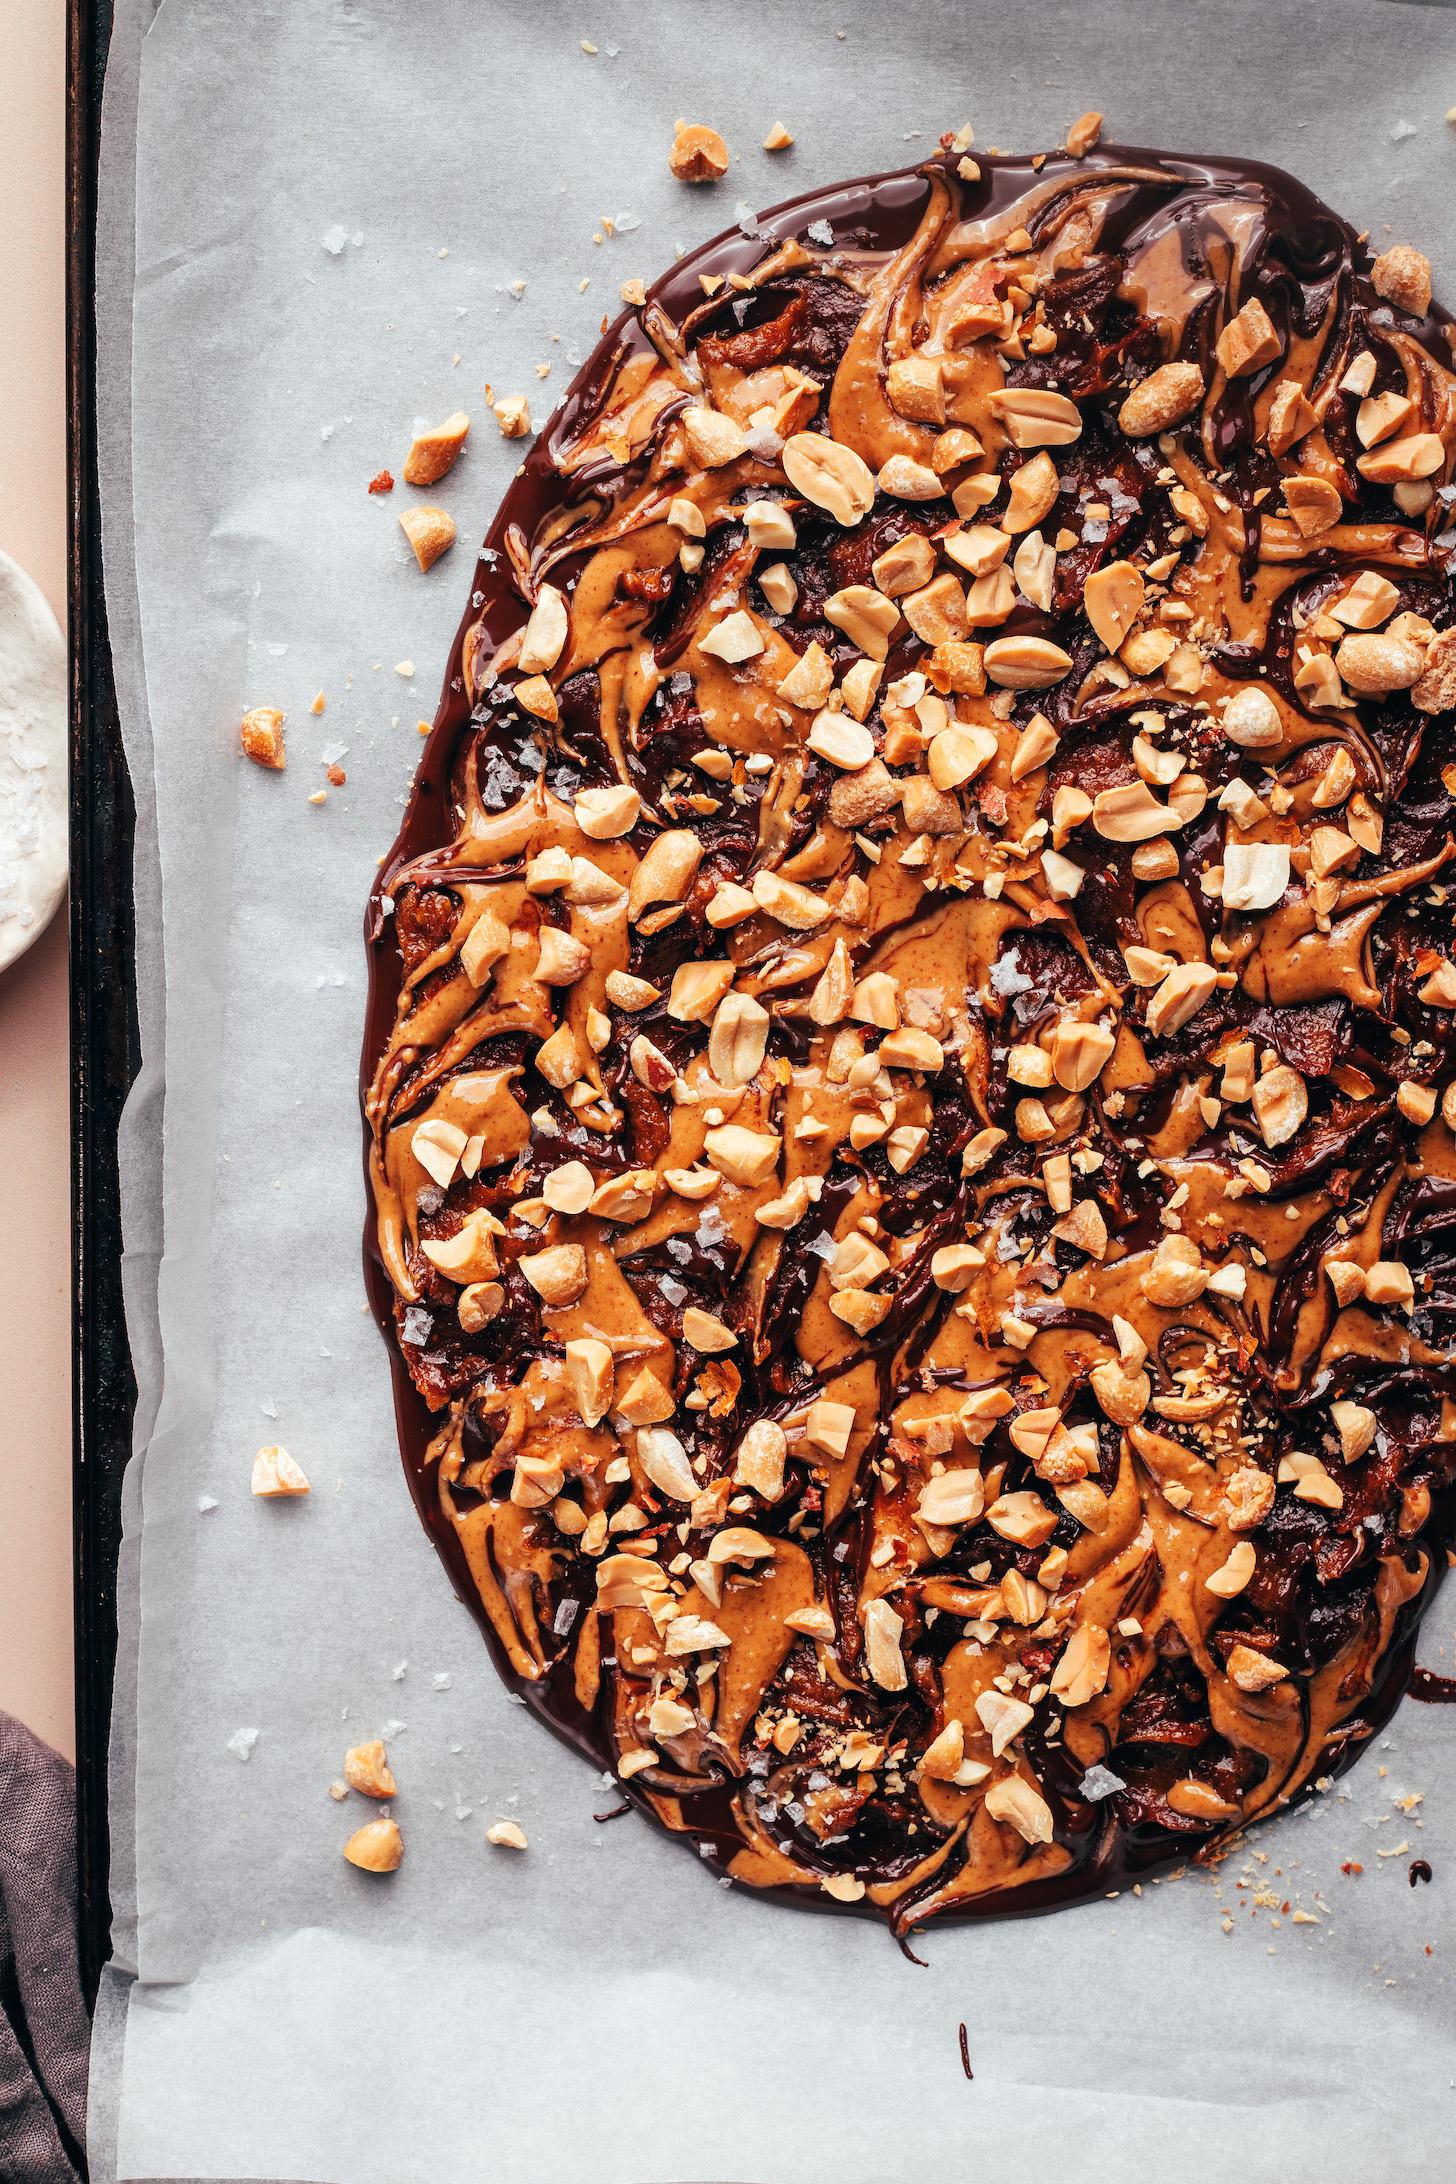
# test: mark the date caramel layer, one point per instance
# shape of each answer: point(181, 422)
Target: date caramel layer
point(910, 1075)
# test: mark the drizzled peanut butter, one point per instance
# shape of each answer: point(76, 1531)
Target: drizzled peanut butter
point(913, 1160)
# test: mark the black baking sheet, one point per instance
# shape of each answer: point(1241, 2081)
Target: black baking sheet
point(104, 1041)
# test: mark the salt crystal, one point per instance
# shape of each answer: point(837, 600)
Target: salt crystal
point(442, 1681)
point(1099, 1782)
point(399, 1671)
point(627, 221)
point(206, 1502)
point(334, 239)
point(241, 1743)
point(747, 220)
point(1007, 976)
point(391, 1729)
point(332, 753)
point(1402, 131)
point(819, 231)
point(416, 1326)
point(268, 1407)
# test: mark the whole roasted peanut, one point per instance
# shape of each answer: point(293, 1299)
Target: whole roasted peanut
point(1164, 398)
point(262, 737)
point(666, 871)
point(1373, 663)
point(1026, 663)
point(832, 477)
point(1036, 416)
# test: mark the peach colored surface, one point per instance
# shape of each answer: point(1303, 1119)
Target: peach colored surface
point(35, 1320)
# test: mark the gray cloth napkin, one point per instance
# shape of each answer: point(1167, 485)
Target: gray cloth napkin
point(44, 2034)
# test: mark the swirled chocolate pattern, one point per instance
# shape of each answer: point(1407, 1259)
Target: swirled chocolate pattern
point(910, 1080)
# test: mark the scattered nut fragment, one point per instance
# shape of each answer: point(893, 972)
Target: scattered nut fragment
point(1435, 692)
point(1403, 277)
point(1082, 1670)
point(1291, 417)
point(1356, 1426)
point(1388, 1282)
point(1112, 600)
point(435, 450)
point(713, 439)
point(883, 1630)
point(377, 1847)
point(544, 637)
point(606, 814)
point(1347, 1280)
point(276, 1475)
point(1176, 1274)
point(558, 1274)
point(698, 154)
point(1179, 997)
point(367, 1769)
point(1232, 1575)
point(507, 1835)
point(1400, 462)
point(915, 387)
point(1248, 1496)
point(513, 414)
point(1248, 342)
point(1280, 1104)
point(1014, 1801)
point(904, 479)
point(778, 139)
point(262, 737)
point(1253, 1671)
point(430, 531)
point(1083, 134)
point(1251, 719)
point(1255, 875)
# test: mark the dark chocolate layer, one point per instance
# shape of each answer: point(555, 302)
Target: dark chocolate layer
point(910, 1056)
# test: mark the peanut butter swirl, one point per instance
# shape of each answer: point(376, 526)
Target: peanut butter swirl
point(910, 1083)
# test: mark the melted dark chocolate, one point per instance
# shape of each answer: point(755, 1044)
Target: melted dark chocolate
point(1130, 259)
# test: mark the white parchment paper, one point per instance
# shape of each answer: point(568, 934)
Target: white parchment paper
point(315, 220)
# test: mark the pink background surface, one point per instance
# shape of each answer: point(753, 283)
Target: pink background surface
point(35, 1319)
